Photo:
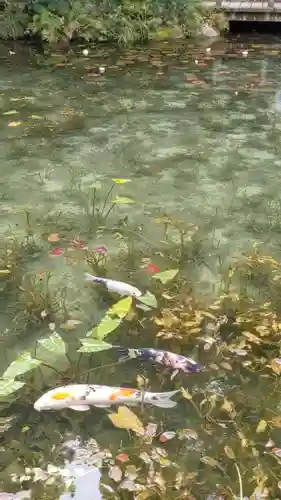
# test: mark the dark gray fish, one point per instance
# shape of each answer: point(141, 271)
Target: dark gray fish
point(175, 362)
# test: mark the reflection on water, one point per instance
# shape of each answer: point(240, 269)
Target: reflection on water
point(198, 134)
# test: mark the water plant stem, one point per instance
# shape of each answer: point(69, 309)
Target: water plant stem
point(240, 481)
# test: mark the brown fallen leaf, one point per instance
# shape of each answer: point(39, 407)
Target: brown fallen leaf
point(126, 419)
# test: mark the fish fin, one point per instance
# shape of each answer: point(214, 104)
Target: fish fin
point(162, 399)
point(103, 406)
point(80, 407)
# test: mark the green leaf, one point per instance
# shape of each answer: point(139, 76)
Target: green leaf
point(54, 344)
point(166, 276)
point(93, 345)
point(21, 365)
point(121, 200)
point(106, 326)
point(9, 386)
point(121, 308)
point(148, 299)
point(121, 181)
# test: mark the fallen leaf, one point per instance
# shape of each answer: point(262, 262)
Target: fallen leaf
point(167, 436)
point(126, 419)
point(229, 452)
point(14, 124)
point(115, 473)
point(122, 457)
point(262, 425)
point(53, 238)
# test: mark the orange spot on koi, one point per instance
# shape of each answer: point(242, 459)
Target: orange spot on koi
point(122, 393)
point(61, 395)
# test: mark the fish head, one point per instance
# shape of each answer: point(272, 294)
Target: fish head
point(56, 399)
point(136, 292)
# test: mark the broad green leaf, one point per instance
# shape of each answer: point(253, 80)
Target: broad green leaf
point(166, 276)
point(148, 299)
point(54, 344)
point(121, 308)
point(106, 326)
point(21, 365)
point(121, 181)
point(121, 200)
point(9, 386)
point(93, 345)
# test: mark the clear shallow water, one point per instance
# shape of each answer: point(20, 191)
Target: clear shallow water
point(197, 133)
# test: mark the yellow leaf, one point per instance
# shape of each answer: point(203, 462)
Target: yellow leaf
point(14, 124)
point(4, 272)
point(186, 394)
point(252, 338)
point(53, 238)
point(262, 425)
point(126, 419)
point(121, 181)
point(229, 452)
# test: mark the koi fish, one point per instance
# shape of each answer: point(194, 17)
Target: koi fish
point(115, 286)
point(81, 397)
point(174, 361)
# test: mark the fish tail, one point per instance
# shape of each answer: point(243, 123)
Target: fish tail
point(90, 277)
point(161, 399)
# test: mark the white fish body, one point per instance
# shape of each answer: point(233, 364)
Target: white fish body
point(115, 286)
point(81, 397)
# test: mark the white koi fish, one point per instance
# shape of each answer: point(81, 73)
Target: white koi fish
point(115, 286)
point(81, 397)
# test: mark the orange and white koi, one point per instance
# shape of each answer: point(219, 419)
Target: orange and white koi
point(81, 397)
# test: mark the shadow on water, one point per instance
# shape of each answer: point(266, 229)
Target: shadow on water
point(190, 135)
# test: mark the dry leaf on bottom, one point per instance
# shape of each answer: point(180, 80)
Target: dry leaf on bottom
point(126, 419)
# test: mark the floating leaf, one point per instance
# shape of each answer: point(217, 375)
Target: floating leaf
point(126, 419)
point(9, 386)
point(229, 452)
point(5, 272)
point(115, 473)
point(11, 112)
point(121, 200)
point(166, 276)
point(123, 457)
point(14, 124)
point(121, 181)
point(53, 238)
point(121, 308)
point(54, 344)
point(23, 364)
point(148, 299)
point(262, 425)
point(167, 436)
point(93, 345)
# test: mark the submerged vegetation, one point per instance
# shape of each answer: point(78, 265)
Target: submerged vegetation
point(224, 439)
point(122, 21)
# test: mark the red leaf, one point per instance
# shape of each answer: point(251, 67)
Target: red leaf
point(56, 252)
point(123, 457)
point(152, 269)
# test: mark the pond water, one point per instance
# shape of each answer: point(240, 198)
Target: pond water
point(195, 128)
